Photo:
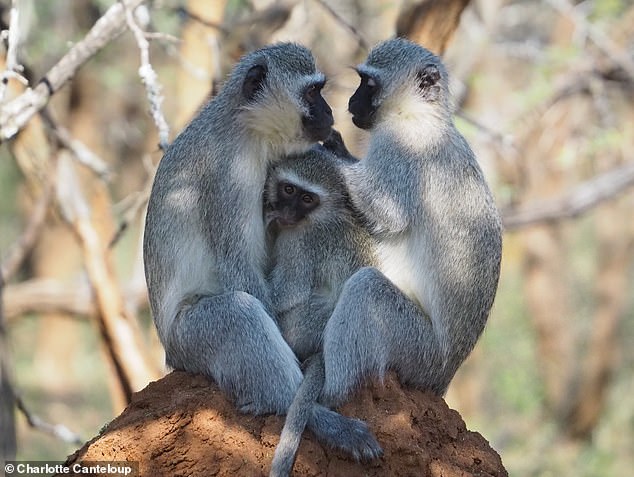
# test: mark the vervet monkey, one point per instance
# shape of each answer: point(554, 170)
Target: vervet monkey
point(204, 243)
point(425, 201)
point(318, 243)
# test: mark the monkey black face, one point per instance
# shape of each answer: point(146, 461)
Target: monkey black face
point(361, 104)
point(293, 204)
point(319, 121)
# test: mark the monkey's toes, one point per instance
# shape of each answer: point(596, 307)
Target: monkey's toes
point(363, 446)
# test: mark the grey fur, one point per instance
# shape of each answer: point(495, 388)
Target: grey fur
point(311, 262)
point(297, 417)
point(439, 237)
point(204, 244)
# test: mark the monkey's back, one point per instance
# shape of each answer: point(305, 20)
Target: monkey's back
point(186, 219)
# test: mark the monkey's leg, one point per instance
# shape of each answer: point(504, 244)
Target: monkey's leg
point(232, 339)
point(375, 327)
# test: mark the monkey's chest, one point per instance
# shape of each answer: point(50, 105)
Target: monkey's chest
point(404, 265)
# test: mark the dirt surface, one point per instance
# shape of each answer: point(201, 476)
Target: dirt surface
point(182, 425)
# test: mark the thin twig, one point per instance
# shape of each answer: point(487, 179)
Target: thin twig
point(216, 26)
point(581, 198)
point(363, 44)
point(12, 67)
point(16, 113)
point(80, 151)
point(132, 212)
point(150, 80)
point(600, 39)
point(158, 36)
point(21, 248)
point(58, 431)
point(505, 140)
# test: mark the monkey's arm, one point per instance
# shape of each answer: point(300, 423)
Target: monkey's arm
point(384, 208)
point(303, 326)
point(334, 143)
point(289, 291)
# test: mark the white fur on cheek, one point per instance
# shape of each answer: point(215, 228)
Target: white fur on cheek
point(409, 117)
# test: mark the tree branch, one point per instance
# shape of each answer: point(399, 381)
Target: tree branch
point(600, 39)
point(8, 441)
point(45, 295)
point(117, 329)
point(150, 80)
point(13, 68)
point(25, 242)
point(362, 42)
point(56, 430)
point(578, 200)
point(17, 112)
point(80, 151)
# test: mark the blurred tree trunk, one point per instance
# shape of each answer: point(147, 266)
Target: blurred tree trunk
point(546, 289)
point(8, 445)
point(545, 268)
point(200, 49)
point(576, 378)
point(600, 357)
point(431, 23)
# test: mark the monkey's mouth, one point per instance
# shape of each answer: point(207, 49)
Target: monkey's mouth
point(280, 220)
point(316, 133)
point(285, 223)
point(363, 122)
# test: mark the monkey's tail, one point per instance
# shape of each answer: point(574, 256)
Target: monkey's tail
point(297, 416)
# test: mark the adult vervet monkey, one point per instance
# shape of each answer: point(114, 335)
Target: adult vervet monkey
point(204, 244)
point(425, 201)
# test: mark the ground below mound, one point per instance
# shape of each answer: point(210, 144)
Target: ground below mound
point(182, 425)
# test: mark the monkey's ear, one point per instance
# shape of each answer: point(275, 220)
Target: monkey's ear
point(428, 76)
point(253, 81)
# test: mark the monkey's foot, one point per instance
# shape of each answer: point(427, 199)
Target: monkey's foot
point(349, 435)
point(258, 408)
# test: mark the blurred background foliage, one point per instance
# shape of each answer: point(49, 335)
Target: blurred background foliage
point(544, 92)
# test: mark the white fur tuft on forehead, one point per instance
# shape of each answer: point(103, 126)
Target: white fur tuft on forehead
point(287, 175)
point(368, 70)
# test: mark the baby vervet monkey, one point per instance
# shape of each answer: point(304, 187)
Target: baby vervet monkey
point(317, 243)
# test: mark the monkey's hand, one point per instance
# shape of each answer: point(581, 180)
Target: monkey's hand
point(334, 143)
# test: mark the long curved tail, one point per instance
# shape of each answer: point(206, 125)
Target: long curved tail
point(297, 416)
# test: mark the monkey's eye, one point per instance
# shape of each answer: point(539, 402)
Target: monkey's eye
point(289, 189)
point(371, 82)
point(312, 92)
point(308, 199)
